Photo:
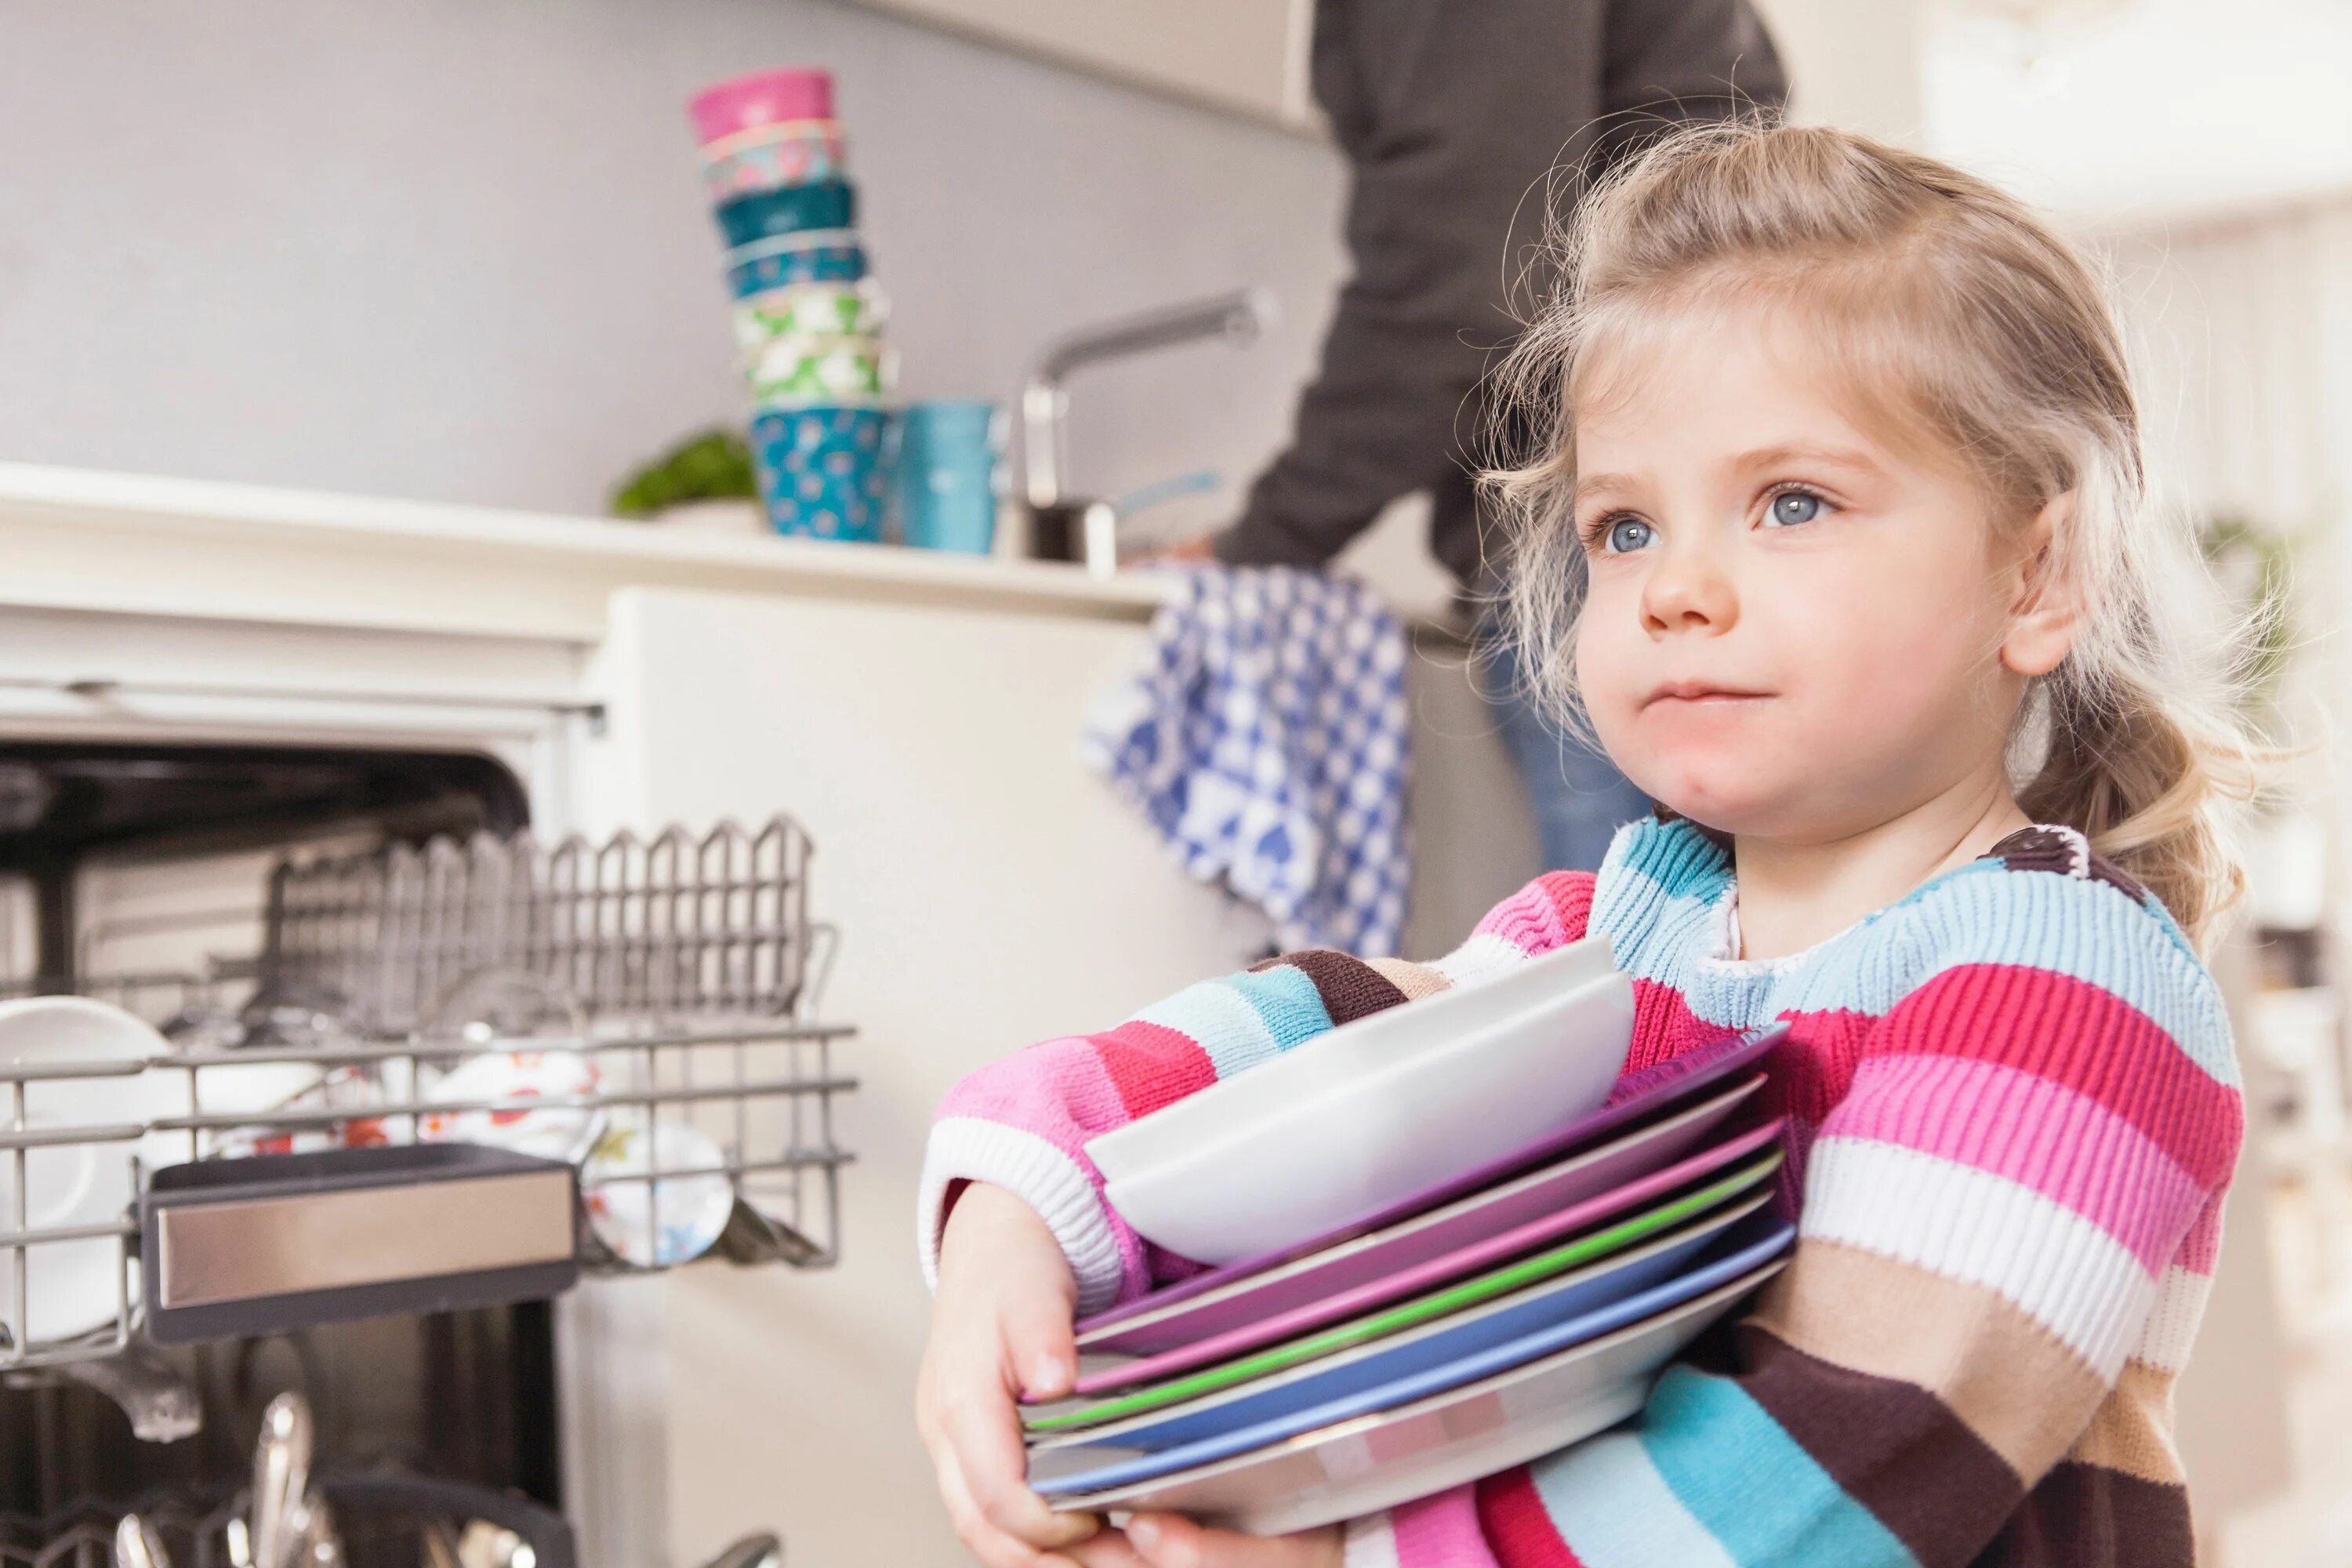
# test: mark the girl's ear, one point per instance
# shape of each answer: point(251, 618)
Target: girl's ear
point(2045, 611)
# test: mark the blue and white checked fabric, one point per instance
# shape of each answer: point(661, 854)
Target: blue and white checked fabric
point(1265, 737)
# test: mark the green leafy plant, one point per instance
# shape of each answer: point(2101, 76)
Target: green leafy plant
point(2255, 568)
point(715, 465)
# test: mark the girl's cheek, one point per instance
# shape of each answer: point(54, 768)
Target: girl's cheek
point(1608, 673)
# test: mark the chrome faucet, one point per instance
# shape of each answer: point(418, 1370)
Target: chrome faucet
point(1064, 528)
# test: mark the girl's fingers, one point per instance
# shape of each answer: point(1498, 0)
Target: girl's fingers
point(984, 1434)
point(991, 1546)
point(1040, 1347)
point(1171, 1540)
point(1108, 1549)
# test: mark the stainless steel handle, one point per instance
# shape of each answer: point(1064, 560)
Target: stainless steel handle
point(1239, 318)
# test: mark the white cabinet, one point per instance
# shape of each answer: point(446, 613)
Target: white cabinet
point(1244, 54)
point(992, 891)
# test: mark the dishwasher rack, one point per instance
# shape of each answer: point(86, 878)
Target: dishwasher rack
point(674, 981)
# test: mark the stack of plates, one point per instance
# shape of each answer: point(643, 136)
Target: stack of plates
point(1469, 1311)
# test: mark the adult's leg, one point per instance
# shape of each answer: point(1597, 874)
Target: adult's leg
point(1578, 796)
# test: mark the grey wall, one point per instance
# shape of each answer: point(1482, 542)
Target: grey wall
point(457, 249)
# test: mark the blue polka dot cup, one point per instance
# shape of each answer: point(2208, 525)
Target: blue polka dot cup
point(823, 256)
point(822, 470)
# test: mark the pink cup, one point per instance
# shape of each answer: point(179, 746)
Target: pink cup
point(763, 97)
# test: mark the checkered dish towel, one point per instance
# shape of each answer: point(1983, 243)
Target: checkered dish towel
point(1265, 736)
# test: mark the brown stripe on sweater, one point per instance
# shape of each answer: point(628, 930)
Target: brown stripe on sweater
point(2022, 1391)
point(2132, 1430)
point(1349, 987)
point(1893, 1446)
point(2040, 850)
point(2086, 1516)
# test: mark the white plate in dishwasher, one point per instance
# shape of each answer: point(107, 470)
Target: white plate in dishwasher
point(74, 1286)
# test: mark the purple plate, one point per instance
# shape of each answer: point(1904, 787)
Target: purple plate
point(1388, 1269)
point(1637, 1095)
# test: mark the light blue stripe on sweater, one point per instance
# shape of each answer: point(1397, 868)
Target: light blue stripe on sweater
point(1752, 1486)
point(1980, 913)
point(1656, 897)
point(1242, 1020)
point(1608, 1501)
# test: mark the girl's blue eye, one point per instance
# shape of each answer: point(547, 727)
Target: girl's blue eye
point(1790, 507)
point(1627, 534)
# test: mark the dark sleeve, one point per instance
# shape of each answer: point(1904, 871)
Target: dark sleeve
point(1456, 113)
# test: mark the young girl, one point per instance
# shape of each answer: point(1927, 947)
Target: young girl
point(1876, 608)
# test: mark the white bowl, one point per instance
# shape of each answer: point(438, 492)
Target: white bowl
point(1360, 1145)
point(1272, 1091)
point(71, 1287)
point(657, 1225)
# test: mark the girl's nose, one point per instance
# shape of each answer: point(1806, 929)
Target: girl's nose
point(1689, 591)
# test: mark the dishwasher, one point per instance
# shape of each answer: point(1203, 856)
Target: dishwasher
point(423, 1081)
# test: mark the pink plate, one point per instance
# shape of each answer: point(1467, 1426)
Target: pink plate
point(1418, 1253)
point(1639, 1096)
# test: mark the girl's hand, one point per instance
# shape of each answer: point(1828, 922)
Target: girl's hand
point(1000, 1328)
point(1167, 1540)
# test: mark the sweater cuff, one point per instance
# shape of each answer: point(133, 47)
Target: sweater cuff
point(967, 1149)
point(1252, 542)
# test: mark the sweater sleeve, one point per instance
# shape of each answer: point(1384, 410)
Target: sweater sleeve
point(1021, 1123)
point(1998, 1220)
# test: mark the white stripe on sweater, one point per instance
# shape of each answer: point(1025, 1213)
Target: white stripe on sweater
point(1370, 1542)
point(2172, 1326)
point(966, 1148)
point(2072, 1277)
point(1483, 954)
point(1614, 1510)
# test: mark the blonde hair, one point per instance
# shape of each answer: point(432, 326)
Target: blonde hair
point(2001, 353)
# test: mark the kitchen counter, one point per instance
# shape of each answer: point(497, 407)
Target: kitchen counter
point(77, 538)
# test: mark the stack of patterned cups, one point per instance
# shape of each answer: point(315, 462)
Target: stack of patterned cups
point(807, 317)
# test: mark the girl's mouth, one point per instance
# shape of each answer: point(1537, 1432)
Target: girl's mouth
point(1700, 692)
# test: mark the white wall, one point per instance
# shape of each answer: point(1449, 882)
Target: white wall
point(2155, 111)
point(1853, 63)
point(457, 249)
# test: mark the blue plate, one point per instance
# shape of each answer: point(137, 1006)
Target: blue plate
point(1400, 1374)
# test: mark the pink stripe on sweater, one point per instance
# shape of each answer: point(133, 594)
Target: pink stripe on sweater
point(1061, 1092)
point(1441, 1531)
point(1058, 1089)
point(1152, 1065)
point(2202, 1244)
point(1664, 1026)
point(2040, 1134)
point(1548, 912)
point(2072, 1032)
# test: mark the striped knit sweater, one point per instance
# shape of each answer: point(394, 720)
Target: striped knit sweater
point(2015, 1111)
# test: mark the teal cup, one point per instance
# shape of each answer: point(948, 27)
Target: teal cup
point(945, 477)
